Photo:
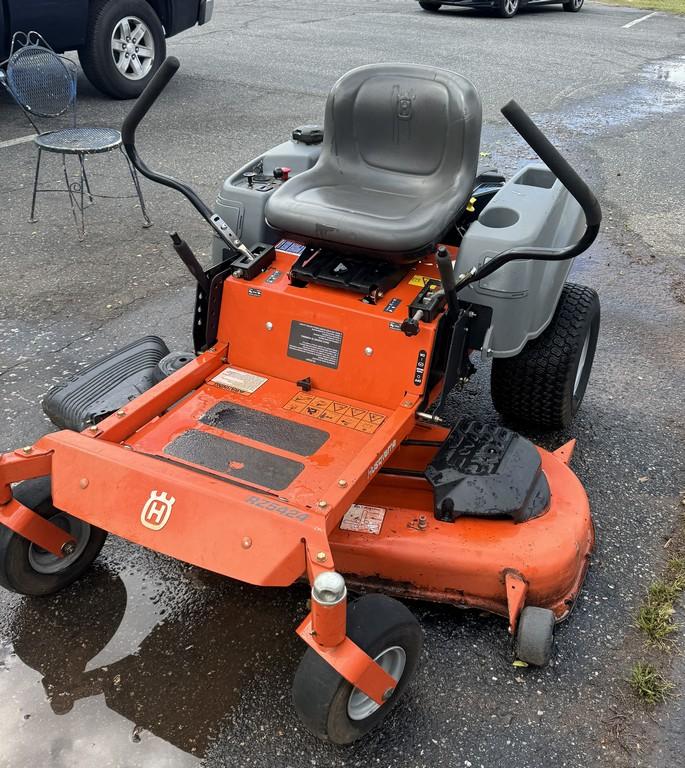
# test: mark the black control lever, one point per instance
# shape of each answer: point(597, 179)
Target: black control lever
point(190, 260)
point(147, 98)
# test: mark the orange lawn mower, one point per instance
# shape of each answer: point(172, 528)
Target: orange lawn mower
point(305, 437)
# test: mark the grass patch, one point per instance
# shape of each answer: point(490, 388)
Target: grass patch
point(649, 684)
point(669, 6)
point(656, 614)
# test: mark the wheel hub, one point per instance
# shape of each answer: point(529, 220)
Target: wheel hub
point(392, 660)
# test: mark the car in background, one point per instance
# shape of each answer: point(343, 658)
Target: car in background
point(120, 43)
point(504, 8)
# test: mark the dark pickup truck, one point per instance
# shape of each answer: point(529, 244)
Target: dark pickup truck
point(120, 43)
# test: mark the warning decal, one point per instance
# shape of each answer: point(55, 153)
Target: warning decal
point(238, 381)
point(363, 519)
point(335, 412)
point(314, 344)
point(420, 280)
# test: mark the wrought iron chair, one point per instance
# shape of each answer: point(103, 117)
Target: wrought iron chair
point(43, 84)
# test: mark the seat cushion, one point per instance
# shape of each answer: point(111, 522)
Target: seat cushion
point(79, 140)
point(397, 165)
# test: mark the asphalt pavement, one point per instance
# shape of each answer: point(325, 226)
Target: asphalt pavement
point(150, 662)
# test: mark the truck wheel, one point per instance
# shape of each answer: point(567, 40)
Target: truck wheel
point(329, 706)
point(543, 386)
point(429, 6)
point(573, 6)
point(124, 47)
point(507, 8)
point(535, 636)
point(30, 570)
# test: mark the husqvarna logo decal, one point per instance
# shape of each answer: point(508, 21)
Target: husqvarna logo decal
point(157, 510)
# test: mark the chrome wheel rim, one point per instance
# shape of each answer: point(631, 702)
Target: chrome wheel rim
point(582, 361)
point(510, 7)
point(133, 48)
point(577, 3)
point(45, 562)
point(393, 660)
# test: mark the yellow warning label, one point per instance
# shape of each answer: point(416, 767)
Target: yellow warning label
point(419, 280)
point(335, 412)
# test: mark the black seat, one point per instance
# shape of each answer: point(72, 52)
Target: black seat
point(398, 162)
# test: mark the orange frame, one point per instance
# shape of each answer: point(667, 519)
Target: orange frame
point(116, 472)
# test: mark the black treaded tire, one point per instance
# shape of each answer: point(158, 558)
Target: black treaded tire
point(320, 694)
point(427, 6)
point(535, 636)
point(537, 388)
point(96, 56)
point(573, 7)
point(16, 572)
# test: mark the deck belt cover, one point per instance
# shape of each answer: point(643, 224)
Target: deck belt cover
point(280, 433)
point(235, 459)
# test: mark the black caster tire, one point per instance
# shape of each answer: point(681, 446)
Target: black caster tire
point(330, 707)
point(30, 570)
point(573, 6)
point(543, 386)
point(535, 636)
point(433, 7)
point(101, 59)
point(507, 8)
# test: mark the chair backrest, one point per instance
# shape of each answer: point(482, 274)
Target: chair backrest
point(42, 82)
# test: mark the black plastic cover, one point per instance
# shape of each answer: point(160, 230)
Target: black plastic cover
point(105, 386)
point(483, 470)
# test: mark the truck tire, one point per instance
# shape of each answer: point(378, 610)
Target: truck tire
point(543, 386)
point(124, 47)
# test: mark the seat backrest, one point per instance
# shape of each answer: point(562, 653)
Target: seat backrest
point(42, 82)
point(408, 127)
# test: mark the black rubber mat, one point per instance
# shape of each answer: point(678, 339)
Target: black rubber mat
point(265, 428)
point(235, 459)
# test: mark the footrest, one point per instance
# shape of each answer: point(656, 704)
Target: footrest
point(487, 471)
point(107, 385)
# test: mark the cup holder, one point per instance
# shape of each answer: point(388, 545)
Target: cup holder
point(498, 217)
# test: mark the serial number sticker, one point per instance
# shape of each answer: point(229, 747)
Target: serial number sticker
point(238, 381)
point(335, 412)
point(420, 280)
point(363, 519)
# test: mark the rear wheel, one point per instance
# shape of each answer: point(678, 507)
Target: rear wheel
point(543, 386)
point(30, 570)
point(333, 709)
point(507, 8)
point(573, 6)
point(429, 6)
point(124, 47)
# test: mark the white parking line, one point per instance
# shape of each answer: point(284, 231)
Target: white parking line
point(637, 21)
point(20, 140)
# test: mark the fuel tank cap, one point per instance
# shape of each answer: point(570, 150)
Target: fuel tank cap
point(308, 134)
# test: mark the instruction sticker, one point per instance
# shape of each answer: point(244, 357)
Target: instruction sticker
point(314, 344)
point(363, 519)
point(344, 414)
point(238, 381)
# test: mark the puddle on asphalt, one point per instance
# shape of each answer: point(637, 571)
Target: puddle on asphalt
point(135, 668)
point(659, 90)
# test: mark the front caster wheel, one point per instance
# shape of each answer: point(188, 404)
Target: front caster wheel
point(535, 636)
point(30, 570)
point(329, 706)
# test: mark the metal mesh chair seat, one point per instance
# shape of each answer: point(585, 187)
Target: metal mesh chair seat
point(85, 141)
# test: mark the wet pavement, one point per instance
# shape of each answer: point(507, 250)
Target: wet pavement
point(150, 662)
